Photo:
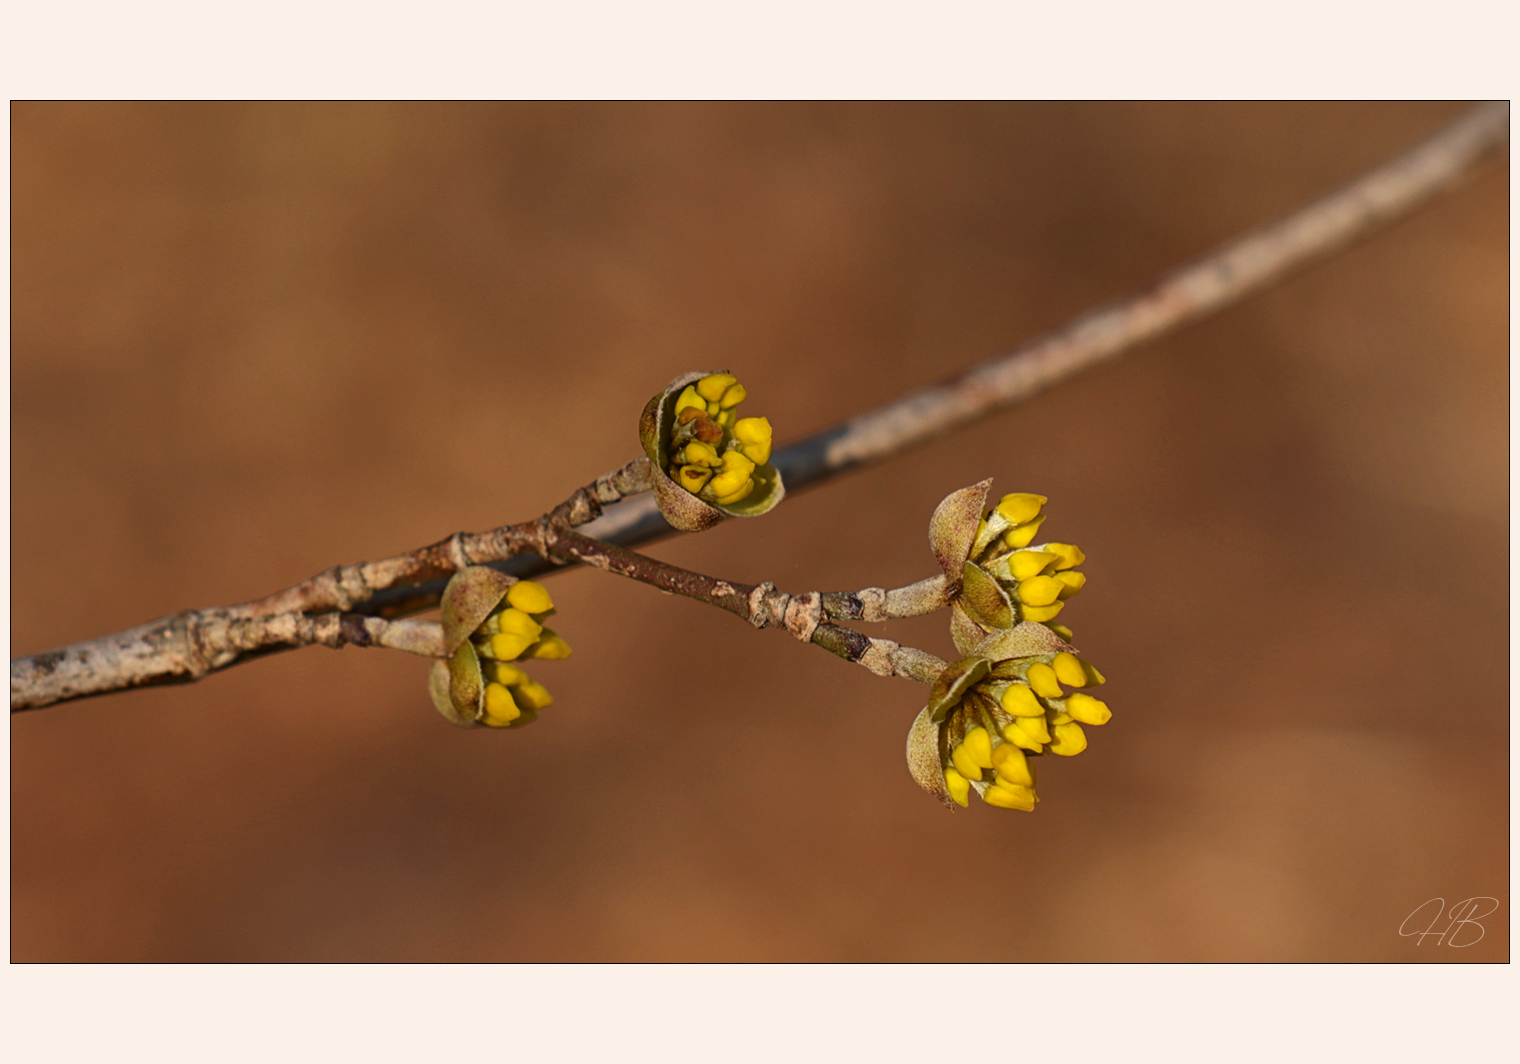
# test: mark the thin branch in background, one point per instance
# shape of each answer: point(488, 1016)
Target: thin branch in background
point(188, 645)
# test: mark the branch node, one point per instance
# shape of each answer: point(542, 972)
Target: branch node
point(459, 558)
point(878, 657)
point(873, 603)
point(759, 604)
point(803, 614)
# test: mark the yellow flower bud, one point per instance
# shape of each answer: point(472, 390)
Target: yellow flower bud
point(689, 397)
point(1012, 733)
point(1042, 678)
point(958, 786)
point(754, 436)
point(1028, 563)
point(1021, 507)
point(550, 648)
point(1071, 556)
point(1040, 590)
point(530, 597)
point(1037, 729)
point(1094, 677)
point(702, 454)
point(1022, 536)
point(712, 387)
point(505, 647)
point(1061, 630)
point(1040, 613)
point(514, 621)
point(739, 494)
point(500, 708)
point(960, 757)
point(736, 470)
point(733, 396)
point(1009, 797)
point(1012, 766)
point(534, 695)
point(693, 477)
point(1073, 582)
point(1069, 670)
point(979, 744)
point(1021, 702)
point(1087, 709)
point(1069, 740)
point(509, 674)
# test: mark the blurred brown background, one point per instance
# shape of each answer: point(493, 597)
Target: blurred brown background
point(252, 341)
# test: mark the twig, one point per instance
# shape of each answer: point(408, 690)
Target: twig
point(1224, 276)
point(186, 646)
point(764, 606)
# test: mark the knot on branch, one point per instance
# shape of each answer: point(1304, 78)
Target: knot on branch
point(873, 603)
point(582, 506)
point(798, 614)
point(803, 614)
point(878, 657)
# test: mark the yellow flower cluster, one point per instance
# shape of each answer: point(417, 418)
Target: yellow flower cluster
point(1037, 580)
point(713, 451)
point(1019, 711)
point(1017, 694)
point(512, 632)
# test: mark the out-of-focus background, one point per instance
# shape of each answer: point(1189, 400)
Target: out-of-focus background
point(253, 341)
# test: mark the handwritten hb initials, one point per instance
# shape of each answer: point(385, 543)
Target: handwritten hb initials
point(1463, 914)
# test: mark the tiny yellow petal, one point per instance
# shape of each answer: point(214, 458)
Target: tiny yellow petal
point(1073, 582)
point(1070, 740)
point(509, 674)
point(1040, 613)
point(1027, 563)
point(1042, 678)
point(1094, 677)
point(514, 621)
point(752, 430)
point(960, 757)
point(689, 397)
point(550, 648)
point(1035, 728)
point(1021, 537)
point(693, 477)
point(1012, 765)
point(1012, 733)
point(1021, 702)
point(1060, 630)
point(530, 596)
point(1021, 507)
point(979, 744)
point(736, 470)
point(500, 708)
point(733, 396)
point(505, 647)
point(1088, 709)
point(713, 408)
point(725, 418)
point(703, 454)
point(1014, 797)
point(1071, 556)
point(534, 695)
point(958, 786)
point(1040, 590)
point(712, 387)
point(739, 495)
point(1069, 670)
